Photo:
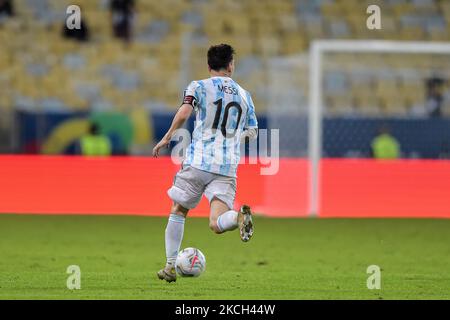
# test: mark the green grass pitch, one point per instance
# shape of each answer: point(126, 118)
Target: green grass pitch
point(286, 259)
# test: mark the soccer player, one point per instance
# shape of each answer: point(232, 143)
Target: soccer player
point(225, 116)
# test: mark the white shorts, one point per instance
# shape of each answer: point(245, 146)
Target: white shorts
point(190, 184)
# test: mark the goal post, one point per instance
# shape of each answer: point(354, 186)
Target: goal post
point(315, 102)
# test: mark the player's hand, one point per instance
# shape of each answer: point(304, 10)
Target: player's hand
point(163, 143)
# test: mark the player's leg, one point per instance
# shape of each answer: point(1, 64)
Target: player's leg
point(174, 232)
point(221, 192)
point(186, 193)
point(221, 218)
point(173, 238)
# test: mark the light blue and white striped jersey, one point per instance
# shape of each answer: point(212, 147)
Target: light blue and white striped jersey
point(223, 111)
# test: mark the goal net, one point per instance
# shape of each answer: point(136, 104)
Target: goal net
point(359, 89)
point(381, 79)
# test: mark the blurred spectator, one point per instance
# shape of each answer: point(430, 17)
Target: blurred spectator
point(6, 9)
point(81, 34)
point(122, 12)
point(435, 98)
point(94, 143)
point(444, 153)
point(384, 145)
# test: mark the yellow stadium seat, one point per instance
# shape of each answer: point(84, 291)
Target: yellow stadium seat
point(393, 105)
point(264, 28)
point(331, 9)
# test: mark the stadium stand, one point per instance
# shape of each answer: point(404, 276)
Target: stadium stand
point(43, 70)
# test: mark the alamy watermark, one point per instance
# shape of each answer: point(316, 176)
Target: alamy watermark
point(373, 22)
point(74, 280)
point(265, 150)
point(73, 20)
point(374, 280)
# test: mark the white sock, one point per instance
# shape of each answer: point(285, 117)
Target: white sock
point(228, 221)
point(174, 236)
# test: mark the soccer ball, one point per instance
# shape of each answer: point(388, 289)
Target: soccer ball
point(190, 262)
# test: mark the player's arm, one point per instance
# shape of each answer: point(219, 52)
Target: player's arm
point(183, 113)
point(251, 122)
point(251, 133)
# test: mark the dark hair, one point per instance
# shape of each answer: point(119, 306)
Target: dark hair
point(220, 56)
point(94, 128)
